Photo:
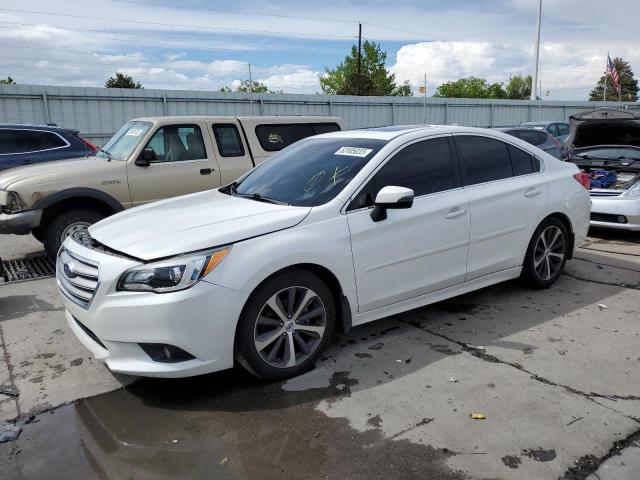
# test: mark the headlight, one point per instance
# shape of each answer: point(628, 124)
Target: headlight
point(10, 201)
point(172, 275)
point(633, 191)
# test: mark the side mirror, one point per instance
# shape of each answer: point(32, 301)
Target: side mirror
point(391, 197)
point(146, 157)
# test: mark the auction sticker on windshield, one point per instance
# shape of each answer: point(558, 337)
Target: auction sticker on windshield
point(354, 151)
point(134, 132)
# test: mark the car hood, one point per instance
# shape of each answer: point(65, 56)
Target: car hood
point(46, 172)
point(192, 222)
point(605, 126)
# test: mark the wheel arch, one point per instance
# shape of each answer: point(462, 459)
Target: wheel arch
point(77, 198)
point(343, 306)
point(567, 223)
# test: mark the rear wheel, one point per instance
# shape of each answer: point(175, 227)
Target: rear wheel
point(547, 254)
point(65, 225)
point(284, 326)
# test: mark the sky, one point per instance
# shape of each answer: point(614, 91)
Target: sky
point(204, 45)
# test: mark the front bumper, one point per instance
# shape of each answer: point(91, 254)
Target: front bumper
point(20, 223)
point(629, 207)
point(200, 320)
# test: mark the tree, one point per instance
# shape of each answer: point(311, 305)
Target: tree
point(472, 87)
point(374, 78)
point(257, 87)
point(122, 81)
point(519, 88)
point(628, 84)
point(7, 81)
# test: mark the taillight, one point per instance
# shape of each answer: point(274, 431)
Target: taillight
point(583, 179)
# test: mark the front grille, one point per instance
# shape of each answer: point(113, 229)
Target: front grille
point(77, 277)
point(608, 217)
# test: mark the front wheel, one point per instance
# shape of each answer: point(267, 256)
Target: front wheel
point(285, 324)
point(65, 225)
point(547, 254)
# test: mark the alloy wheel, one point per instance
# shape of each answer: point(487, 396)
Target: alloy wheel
point(549, 252)
point(290, 326)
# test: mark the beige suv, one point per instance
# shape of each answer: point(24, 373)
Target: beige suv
point(147, 159)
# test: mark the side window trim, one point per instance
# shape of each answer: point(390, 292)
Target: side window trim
point(215, 126)
point(66, 143)
point(455, 167)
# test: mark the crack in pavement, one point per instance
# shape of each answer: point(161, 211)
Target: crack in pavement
point(12, 378)
point(586, 260)
point(493, 359)
point(585, 465)
point(582, 279)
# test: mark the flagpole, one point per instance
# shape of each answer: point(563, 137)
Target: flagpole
point(606, 74)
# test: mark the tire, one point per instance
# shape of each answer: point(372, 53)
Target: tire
point(64, 224)
point(37, 234)
point(546, 255)
point(306, 321)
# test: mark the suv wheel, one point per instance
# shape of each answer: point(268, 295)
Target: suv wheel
point(285, 324)
point(547, 254)
point(64, 225)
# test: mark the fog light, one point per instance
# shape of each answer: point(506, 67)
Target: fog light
point(164, 353)
point(622, 219)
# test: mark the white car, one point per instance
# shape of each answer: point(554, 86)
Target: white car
point(334, 231)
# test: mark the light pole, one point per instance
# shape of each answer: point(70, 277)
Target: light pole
point(534, 81)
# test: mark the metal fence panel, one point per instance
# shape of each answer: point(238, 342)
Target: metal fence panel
point(99, 112)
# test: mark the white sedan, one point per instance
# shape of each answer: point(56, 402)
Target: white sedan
point(334, 231)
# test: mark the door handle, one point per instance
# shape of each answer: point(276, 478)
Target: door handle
point(206, 171)
point(532, 192)
point(455, 213)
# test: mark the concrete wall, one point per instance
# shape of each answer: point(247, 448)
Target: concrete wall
point(99, 112)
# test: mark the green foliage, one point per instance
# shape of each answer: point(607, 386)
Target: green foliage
point(519, 88)
point(374, 78)
point(122, 81)
point(471, 87)
point(257, 87)
point(628, 85)
point(7, 81)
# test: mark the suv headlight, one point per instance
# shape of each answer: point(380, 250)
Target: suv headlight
point(633, 191)
point(10, 201)
point(171, 275)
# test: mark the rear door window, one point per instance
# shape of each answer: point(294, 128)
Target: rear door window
point(532, 137)
point(47, 140)
point(553, 129)
point(177, 143)
point(228, 140)
point(482, 159)
point(27, 141)
point(276, 137)
point(521, 161)
point(563, 129)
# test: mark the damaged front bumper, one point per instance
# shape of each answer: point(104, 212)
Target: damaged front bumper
point(616, 212)
point(20, 223)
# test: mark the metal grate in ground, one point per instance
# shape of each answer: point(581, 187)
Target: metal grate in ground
point(28, 268)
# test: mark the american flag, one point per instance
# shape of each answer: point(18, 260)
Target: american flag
point(613, 73)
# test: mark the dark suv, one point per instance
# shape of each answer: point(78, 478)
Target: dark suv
point(26, 144)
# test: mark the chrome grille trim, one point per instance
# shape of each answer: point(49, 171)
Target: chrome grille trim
point(81, 287)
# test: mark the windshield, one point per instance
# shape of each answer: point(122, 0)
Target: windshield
point(120, 146)
point(308, 173)
point(612, 153)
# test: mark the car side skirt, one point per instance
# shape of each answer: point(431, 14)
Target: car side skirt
point(437, 296)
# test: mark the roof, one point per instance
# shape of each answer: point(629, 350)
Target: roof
point(394, 131)
point(280, 118)
point(543, 122)
point(33, 127)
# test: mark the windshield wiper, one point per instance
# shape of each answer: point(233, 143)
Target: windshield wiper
point(106, 153)
point(258, 197)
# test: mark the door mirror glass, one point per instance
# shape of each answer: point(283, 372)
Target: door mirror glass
point(146, 157)
point(391, 197)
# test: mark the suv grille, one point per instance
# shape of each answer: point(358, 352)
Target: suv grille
point(77, 278)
